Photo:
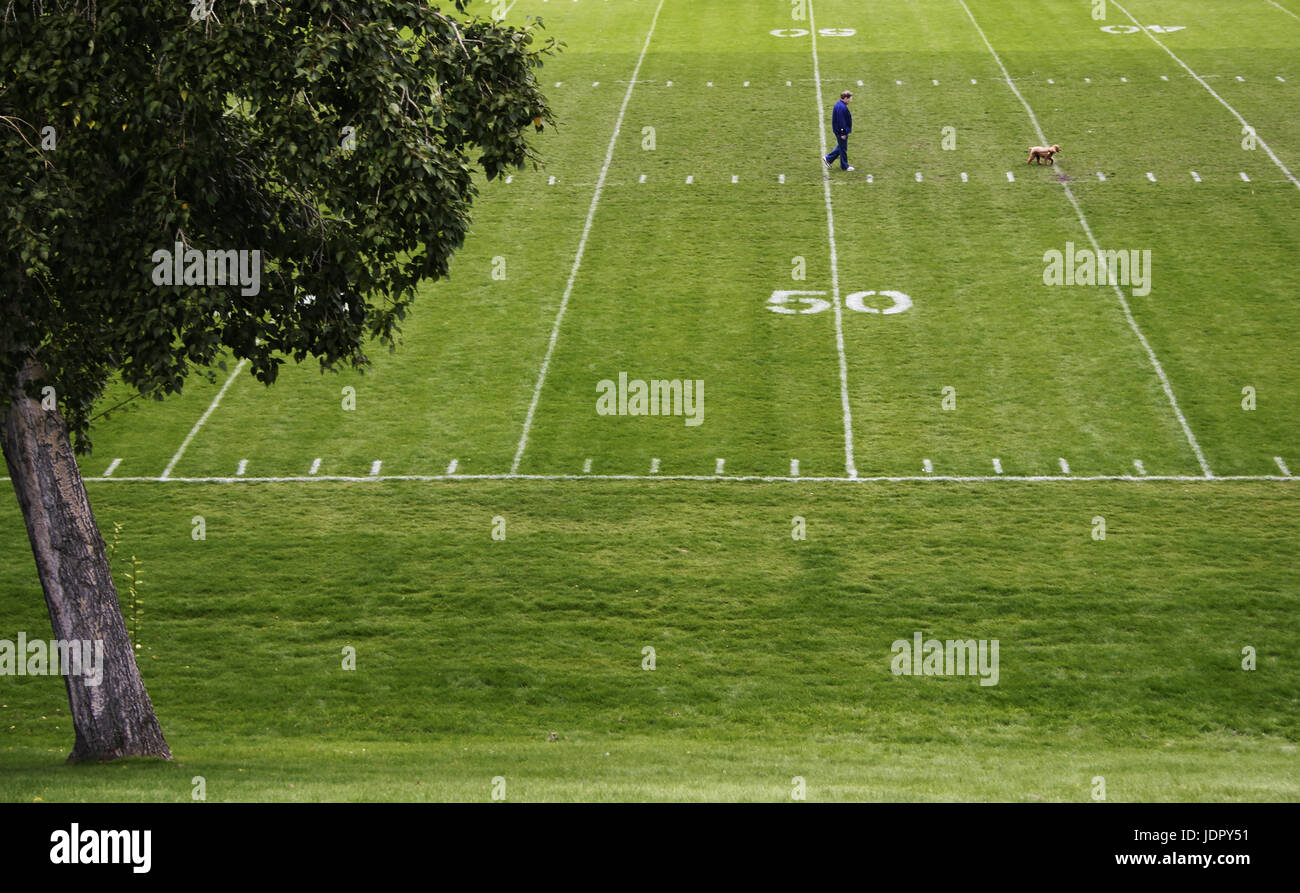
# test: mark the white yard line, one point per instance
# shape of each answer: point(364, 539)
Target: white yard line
point(708, 478)
point(1244, 123)
point(1283, 8)
point(582, 248)
point(216, 401)
point(850, 465)
point(1123, 302)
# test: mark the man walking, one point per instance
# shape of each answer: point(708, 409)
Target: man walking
point(841, 126)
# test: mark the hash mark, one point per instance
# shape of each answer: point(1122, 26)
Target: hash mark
point(586, 467)
point(1282, 465)
point(243, 466)
point(1065, 466)
point(451, 466)
point(1141, 469)
point(929, 468)
point(997, 465)
point(374, 466)
point(654, 466)
point(1196, 177)
point(112, 467)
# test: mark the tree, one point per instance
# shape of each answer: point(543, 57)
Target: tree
point(182, 181)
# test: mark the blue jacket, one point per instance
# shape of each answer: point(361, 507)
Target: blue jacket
point(841, 120)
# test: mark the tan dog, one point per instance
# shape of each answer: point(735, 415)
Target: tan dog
point(1042, 152)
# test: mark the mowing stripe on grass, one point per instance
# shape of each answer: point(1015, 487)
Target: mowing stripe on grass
point(239, 367)
point(1123, 302)
point(582, 247)
point(1244, 123)
point(850, 466)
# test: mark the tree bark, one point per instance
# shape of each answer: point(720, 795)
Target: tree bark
point(115, 718)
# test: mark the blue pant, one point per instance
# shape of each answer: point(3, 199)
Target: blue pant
point(841, 151)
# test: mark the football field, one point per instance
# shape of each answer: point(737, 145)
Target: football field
point(689, 390)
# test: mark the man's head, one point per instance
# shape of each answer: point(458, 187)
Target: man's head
point(846, 96)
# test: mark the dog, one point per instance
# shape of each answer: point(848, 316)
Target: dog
point(1042, 152)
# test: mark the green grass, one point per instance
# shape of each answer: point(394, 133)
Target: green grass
point(1119, 658)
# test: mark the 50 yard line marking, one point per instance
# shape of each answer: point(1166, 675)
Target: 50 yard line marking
point(203, 418)
point(850, 465)
point(1123, 302)
point(1223, 102)
point(582, 248)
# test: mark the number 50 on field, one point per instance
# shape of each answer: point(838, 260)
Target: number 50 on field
point(786, 301)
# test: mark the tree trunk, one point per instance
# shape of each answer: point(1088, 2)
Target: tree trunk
point(115, 718)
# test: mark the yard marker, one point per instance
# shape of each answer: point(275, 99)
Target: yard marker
point(451, 466)
point(780, 178)
point(1065, 466)
point(559, 83)
point(972, 80)
point(670, 83)
point(1087, 80)
point(794, 468)
point(1280, 78)
point(997, 465)
point(654, 466)
point(1011, 178)
point(1164, 77)
point(1240, 78)
point(746, 83)
point(735, 178)
point(1280, 464)
point(1196, 177)
point(963, 176)
point(112, 467)
point(850, 464)
point(717, 469)
point(642, 180)
point(933, 81)
point(870, 178)
point(1244, 177)
point(374, 467)
point(710, 83)
point(690, 178)
point(1101, 176)
point(315, 466)
point(1050, 81)
point(510, 178)
point(582, 247)
point(586, 467)
point(551, 181)
point(1141, 469)
point(1124, 80)
point(243, 466)
point(1083, 221)
point(900, 83)
point(1151, 176)
point(788, 84)
point(595, 83)
point(1222, 101)
point(929, 469)
point(918, 176)
point(216, 401)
